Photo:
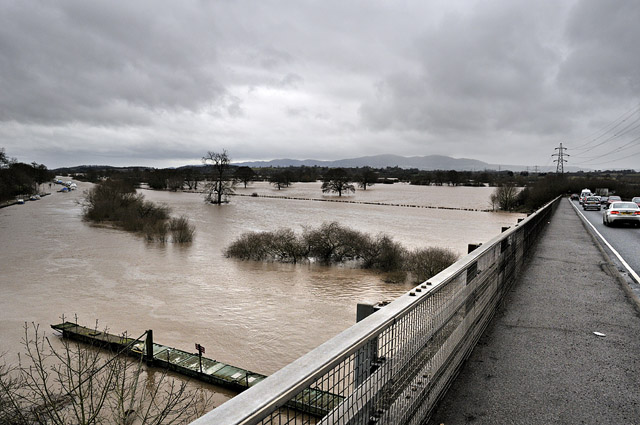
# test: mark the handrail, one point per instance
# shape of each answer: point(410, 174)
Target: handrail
point(366, 362)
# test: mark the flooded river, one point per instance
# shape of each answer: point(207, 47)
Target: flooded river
point(258, 316)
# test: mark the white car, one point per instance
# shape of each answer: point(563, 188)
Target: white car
point(621, 212)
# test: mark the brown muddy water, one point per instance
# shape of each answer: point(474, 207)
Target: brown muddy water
point(259, 316)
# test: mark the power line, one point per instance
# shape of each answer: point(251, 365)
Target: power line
point(593, 162)
point(629, 144)
point(622, 132)
point(608, 128)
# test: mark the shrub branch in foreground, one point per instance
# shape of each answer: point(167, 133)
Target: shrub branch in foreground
point(78, 384)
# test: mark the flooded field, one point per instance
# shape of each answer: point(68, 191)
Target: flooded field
point(259, 316)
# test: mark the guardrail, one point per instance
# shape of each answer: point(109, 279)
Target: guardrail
point(393, 366)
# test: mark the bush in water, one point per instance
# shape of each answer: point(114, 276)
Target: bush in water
point(116, 202)
point(332, 243)
point(426, 263)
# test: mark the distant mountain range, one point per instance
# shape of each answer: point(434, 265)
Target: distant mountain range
point(429, 162)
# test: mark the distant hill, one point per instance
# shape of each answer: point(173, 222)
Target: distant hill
point(429, 162)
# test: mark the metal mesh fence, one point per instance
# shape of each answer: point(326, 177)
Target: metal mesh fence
point(393, 367)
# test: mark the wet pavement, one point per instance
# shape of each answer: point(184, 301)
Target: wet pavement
point(564, 347)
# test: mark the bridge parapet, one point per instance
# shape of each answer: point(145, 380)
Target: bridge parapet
point(393, 366)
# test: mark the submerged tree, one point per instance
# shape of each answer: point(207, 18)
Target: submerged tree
point(220, 184)
point(337, 180)
point(244, 174)
point(281, 179)
point(367, 177)
point(191, 178)
point(78, 384)
point(505, 197)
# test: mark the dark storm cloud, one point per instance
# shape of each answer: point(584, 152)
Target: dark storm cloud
point(514, 72)
point(103, 62)
point(483, 70)
point(501, 81)
point(603, 60)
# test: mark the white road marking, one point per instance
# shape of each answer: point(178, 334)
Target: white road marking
point(624, 263)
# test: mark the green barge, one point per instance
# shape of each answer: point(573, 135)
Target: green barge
point(312, 401)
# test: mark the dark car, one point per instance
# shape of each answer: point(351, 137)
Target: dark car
point(575, 197)
point(591, 203)
point(612, 198)
point(604, 200)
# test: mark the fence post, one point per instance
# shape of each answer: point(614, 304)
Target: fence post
point(149, 347)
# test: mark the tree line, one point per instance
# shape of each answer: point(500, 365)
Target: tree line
point(217, 176)
point(20, 179)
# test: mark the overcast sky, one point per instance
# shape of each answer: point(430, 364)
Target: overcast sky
point(160, 83)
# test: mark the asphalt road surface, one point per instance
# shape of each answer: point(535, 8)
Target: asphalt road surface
point(623, 238)
point(562, 347)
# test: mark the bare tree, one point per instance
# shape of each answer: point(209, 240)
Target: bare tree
point(175, 181)
point(220, 184)
point(337, 180)
point(76, 384)
point(428, 262)
point(191, 178)
point(505, 196)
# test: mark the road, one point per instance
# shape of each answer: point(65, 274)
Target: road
point(539, 361)
point(624, 239)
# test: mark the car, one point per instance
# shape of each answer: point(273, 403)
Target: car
point(591, 203)
point(636, 199)
point(611, 199)
point(621, 212)
point(604, 200)
point(583, 194)
point(575, 196)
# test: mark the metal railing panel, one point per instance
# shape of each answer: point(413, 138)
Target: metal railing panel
point(393, 366)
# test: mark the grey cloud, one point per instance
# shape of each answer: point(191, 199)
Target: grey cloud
point(161, 79)
point(478, 71)
point(98, 62)
point(291, 80)
point(272, 58)
point(234, 107)
point(603, 59)
point(297, 112)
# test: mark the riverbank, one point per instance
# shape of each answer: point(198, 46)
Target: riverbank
point(26, 199)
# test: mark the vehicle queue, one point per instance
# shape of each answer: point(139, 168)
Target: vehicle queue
point(616, 211)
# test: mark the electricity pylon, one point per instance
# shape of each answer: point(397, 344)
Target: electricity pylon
point(560, 160)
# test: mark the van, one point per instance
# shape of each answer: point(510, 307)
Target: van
point(584, 194)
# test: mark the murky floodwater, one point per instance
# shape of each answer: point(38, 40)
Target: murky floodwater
point(258, 316)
